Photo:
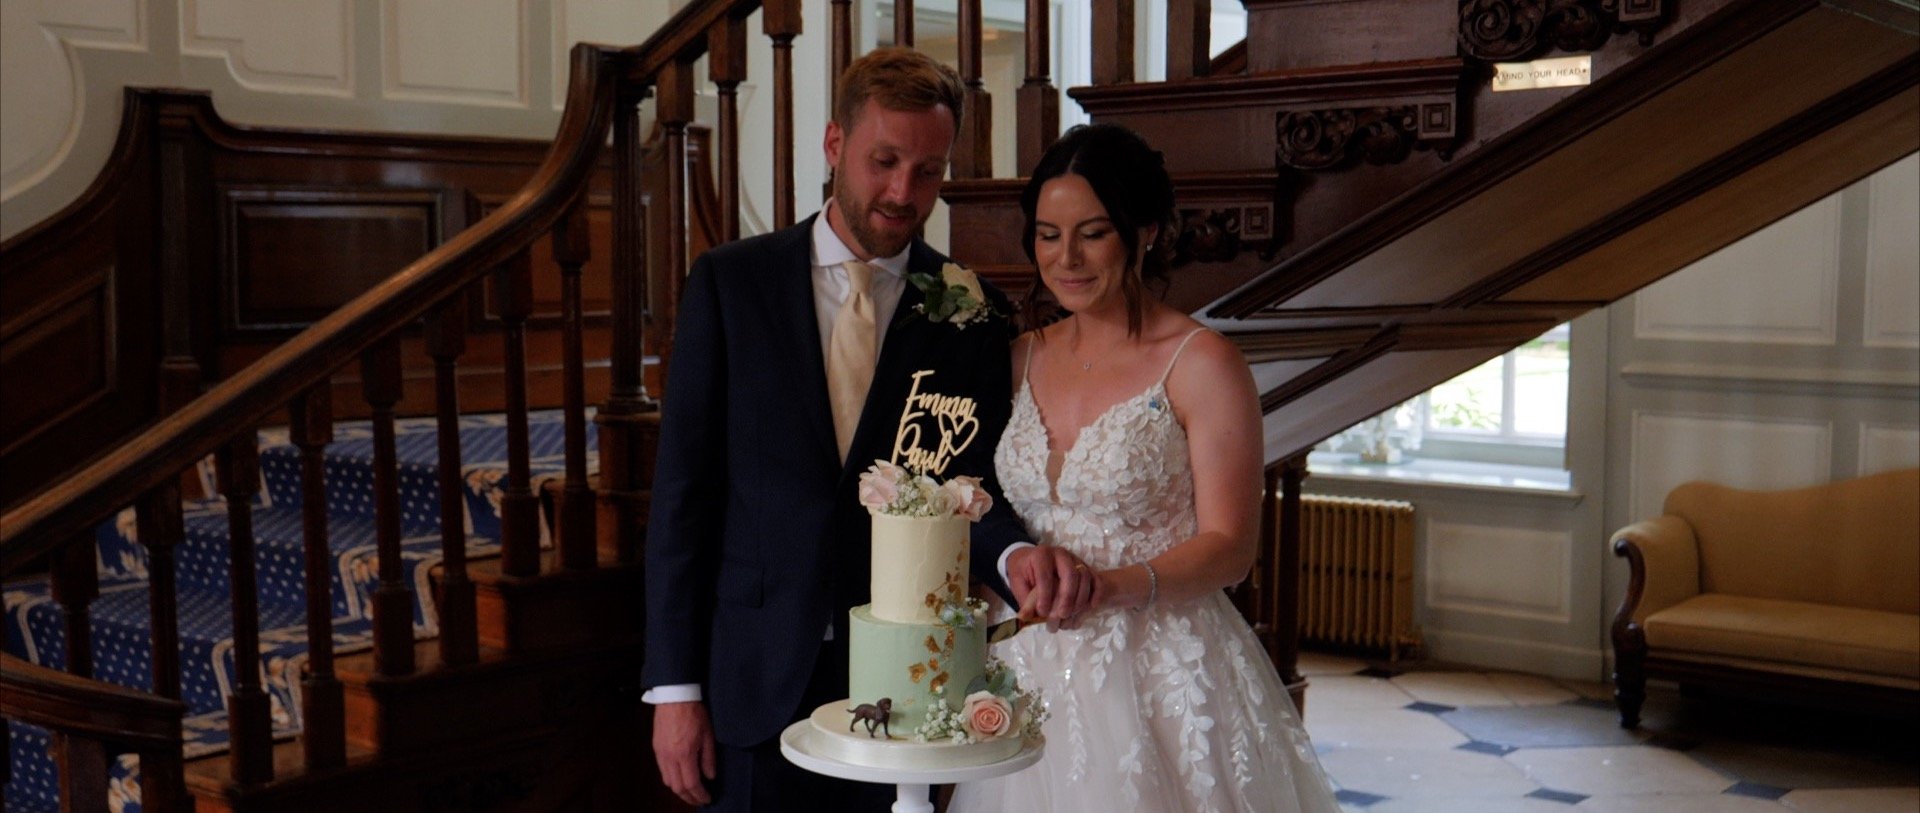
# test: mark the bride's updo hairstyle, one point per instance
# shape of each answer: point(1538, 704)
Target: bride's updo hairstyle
point(1130, 179)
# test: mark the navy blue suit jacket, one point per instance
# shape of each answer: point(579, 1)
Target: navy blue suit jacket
point(756, 540)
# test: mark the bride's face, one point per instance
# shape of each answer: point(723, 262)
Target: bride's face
point(1077, 247)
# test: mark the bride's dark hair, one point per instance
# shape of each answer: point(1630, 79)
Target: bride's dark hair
point(1130, 179)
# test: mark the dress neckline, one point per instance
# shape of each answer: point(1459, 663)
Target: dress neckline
point(1066, 455)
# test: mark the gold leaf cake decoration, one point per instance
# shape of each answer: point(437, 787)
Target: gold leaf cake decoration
point(933, 646)
point(917, 671)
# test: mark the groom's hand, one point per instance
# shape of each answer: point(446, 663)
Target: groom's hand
point(683, 745)
point(1050, 583)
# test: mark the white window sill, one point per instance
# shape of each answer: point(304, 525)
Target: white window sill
point(1503, 478)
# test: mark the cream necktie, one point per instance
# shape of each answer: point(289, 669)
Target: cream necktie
point(850, 354)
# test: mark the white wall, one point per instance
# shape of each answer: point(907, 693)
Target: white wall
point(1787, 359)
point(480, 67)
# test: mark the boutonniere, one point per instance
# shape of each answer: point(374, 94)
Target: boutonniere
point(953, 297)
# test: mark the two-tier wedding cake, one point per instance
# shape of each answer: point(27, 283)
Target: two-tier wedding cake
point(922, 693)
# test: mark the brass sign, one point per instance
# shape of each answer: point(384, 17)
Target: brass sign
point(1560, 72)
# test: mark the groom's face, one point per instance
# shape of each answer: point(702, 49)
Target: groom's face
point(887, 170)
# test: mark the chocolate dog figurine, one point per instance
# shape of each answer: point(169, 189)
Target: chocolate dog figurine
point(876, 714)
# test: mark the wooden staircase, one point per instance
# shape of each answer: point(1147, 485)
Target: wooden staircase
point(1360, 212)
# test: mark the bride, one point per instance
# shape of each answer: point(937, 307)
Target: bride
point(1135, 445)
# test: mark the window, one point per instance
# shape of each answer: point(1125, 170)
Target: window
point(1510, 410)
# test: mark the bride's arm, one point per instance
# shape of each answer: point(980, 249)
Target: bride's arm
point(1213, 395)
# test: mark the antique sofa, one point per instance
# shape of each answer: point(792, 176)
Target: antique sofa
point(1813, 592)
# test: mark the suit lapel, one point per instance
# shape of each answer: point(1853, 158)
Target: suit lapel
point(800, 327)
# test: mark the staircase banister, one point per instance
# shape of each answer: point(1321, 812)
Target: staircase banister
point(175, 443)
point(683, 36)
point(64, 703)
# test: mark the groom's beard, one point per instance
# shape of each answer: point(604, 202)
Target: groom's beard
point(858, 215)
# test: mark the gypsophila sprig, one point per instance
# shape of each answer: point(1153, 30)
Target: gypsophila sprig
point(886, 488)
point(943, 723)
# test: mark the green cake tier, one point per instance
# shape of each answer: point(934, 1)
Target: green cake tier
point(912, 664)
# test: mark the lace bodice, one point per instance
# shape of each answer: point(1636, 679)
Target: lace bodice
point(1171, 708)
point(1125, 490)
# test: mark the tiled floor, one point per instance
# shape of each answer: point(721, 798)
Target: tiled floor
point(1433, 741)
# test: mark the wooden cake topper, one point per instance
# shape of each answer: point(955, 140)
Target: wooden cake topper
point(953, 418)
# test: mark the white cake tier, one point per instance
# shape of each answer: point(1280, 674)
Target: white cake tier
point(900, 751)
point(912, 664)
point(918, 562)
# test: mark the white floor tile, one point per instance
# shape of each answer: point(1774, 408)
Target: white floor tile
point(1452, 688)
point(1380, 728)
point(1353, 692)
point(1679, 803)
point(1405, 773)
point(1529, 690)
point(1854, 800)
point(1617, 770)
point(1470, 804)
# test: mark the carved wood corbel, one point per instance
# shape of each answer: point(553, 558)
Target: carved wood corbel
point(1334, 138)
point(1507, 30)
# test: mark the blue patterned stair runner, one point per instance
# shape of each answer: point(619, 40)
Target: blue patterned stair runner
point(122, 649)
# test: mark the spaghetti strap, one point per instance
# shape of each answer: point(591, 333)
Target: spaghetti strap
point(1176, 352)
point(1026, 369)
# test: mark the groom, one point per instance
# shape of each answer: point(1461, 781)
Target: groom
point(794, 357)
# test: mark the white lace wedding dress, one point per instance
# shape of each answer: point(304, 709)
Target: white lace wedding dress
point(1171, 708)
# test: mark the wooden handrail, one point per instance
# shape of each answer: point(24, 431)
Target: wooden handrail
point(176, 442)
point(71, 704)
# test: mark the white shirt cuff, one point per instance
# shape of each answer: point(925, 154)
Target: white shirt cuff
point(1004, 555)
point(672, 693)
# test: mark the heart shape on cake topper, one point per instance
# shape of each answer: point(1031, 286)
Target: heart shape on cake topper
point(954, 417)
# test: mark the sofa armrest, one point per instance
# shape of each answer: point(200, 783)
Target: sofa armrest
point(1663, 560)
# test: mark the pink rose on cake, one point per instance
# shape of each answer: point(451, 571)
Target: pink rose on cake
point(986, 715)
point(886, 488)
point(969, 497)
point(880, 486)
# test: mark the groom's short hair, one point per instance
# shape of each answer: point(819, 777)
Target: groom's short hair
point(899, 79)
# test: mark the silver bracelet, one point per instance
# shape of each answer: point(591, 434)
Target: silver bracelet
point(1153, 585)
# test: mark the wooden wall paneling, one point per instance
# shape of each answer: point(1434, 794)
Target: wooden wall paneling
point(79, 317)
point(295, 255)
point(1289, 35)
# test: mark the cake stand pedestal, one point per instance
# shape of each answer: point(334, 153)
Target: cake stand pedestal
point(797, 744)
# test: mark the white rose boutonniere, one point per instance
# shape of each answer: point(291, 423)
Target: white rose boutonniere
point(954, 297)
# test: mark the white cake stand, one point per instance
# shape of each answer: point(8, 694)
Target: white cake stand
point(797, 744)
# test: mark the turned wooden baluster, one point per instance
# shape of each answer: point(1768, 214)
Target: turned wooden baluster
point(161, 531)
point(1189, 35)
point(380, 387)
point(780, 19)
point(841, 26)
point(622, 464)
point(673, 109)
point(727, 68)
point(249, 720)
point(1286, 582)
point(74, 585)
point(1037, 103)
point(1112, 41)
point(80, 771)
point(973, 146)
point(446, 336)
point(903, 23)
point(81, 762)
point(574, 526)
point(519, 508)
point(323, 737)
